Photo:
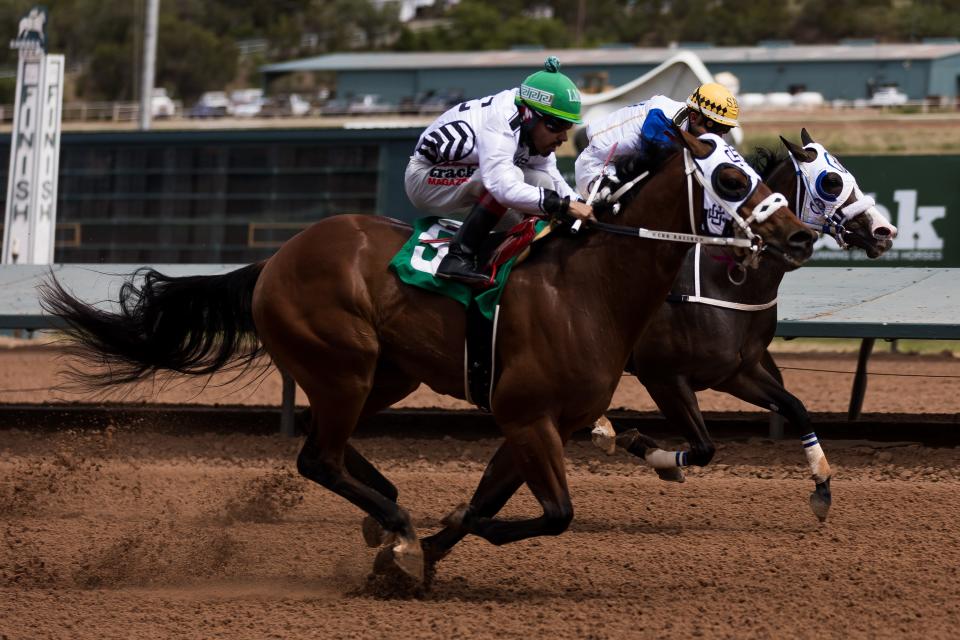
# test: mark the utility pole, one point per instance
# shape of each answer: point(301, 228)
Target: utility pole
point(149, 63)
point(581, 18)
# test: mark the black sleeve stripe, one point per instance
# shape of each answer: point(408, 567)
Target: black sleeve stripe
point(463, 135)
point(448, 142)
point(515, 122)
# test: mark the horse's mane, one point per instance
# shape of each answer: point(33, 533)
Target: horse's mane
point(630, 167)
point(764, 161)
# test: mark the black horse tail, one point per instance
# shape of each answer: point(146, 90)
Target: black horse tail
point(192, 325)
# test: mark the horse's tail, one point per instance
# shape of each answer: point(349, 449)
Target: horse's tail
point(193, 325)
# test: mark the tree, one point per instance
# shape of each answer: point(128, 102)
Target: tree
point(192, 59)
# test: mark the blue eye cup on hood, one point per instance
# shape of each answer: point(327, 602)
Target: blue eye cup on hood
point(819, 187)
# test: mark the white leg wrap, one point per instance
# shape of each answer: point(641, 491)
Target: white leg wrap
point(660, 459)
point(819, 467)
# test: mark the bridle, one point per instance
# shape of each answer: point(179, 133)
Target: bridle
point(820, 210)
point(703, 169)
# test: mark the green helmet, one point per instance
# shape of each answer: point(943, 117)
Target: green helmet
point(551, 92)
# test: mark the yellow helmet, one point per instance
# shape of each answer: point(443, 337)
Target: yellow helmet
point(715, 102)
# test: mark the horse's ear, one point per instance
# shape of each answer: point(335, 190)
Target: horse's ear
point(698, 147)
point(805, 137)
point(801, 154)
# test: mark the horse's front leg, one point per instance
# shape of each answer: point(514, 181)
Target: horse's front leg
point(537, 452)
point(499, 483)
point(762, 385)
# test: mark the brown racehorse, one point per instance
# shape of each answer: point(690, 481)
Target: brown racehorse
point(690, 346)
point(330, 313)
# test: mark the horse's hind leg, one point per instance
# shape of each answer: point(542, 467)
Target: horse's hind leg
point(500, 481)
point(389, 386)
point(537, 451)
point(336, 403)
point(762, 385)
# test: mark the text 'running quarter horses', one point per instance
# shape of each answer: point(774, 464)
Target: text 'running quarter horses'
point(714, 335)
point(330, 313)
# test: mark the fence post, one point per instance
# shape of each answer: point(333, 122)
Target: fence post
point(860, 380)
point(288, 427)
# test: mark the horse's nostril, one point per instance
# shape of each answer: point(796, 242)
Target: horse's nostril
point(881, 233)
point(801, 238)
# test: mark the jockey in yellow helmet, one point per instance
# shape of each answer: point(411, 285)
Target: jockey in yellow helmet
point(641, 130)
point(714, 109)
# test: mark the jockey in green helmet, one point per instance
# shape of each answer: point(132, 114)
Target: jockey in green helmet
point(495, 153)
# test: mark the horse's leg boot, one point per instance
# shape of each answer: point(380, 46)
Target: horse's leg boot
point(460, 262)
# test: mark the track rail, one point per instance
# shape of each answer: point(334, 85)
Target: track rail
point(928, 429)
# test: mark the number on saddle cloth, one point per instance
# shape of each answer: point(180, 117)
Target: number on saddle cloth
point(417, 261)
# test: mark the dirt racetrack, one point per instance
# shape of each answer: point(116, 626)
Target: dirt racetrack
point(141, 534)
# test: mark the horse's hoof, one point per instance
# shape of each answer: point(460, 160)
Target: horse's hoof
point(603, 436)
point(820, 500)
point(674, 474)
point(455, 519)
point(408, 556)
point(373, 533)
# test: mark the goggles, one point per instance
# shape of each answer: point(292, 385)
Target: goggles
point(554, 124)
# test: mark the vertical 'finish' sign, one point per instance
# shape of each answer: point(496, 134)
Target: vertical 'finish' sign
point(31, 214)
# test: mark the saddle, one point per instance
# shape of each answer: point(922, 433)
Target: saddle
point(502, 247)
point(416, 263)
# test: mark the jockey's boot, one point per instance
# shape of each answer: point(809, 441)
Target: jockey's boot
point(460, 263)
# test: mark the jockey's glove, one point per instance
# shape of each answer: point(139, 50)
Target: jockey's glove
point(554, 204)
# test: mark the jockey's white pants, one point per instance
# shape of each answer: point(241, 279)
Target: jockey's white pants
point(451, 189)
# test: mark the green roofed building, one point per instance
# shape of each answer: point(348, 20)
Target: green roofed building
point(843, 71)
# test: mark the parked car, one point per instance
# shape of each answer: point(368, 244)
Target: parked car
point(751, 100)
point(335, 107)
point(284, 106)
point(436, 103)
point(887, 97)
point(779, 99)
point(161, 105)
point(212, 104)
point(368, 104)
point(246, 103)
point(808, 99)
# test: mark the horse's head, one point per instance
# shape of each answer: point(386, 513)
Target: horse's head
point(833, 202)
point(758, 213)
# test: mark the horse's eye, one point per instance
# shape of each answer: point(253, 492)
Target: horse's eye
point(833, 183)
point(731, 181)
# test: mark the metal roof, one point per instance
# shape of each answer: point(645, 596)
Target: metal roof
point(611, 57)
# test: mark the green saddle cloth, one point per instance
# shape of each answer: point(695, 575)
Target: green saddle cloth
point(416, 264)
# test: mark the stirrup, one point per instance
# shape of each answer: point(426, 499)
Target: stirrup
point(459, 268)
